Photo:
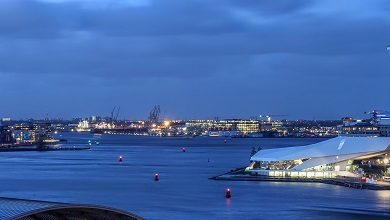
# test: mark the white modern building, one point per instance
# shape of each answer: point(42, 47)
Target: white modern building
point(341, 156)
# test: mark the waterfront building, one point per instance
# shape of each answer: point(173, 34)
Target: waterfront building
point(376, 126)
point(246, 126)
point(341, 156)
point(384, 125)
point(229, 127)
point(124, 127)
point(93, 119)
point(83, 126)
point(358, 128)
point(33, 133)
point(266, 126)
point(26, 133)
point(198, 127)
point(6, 136)
point(5, 120)
point(384, 130)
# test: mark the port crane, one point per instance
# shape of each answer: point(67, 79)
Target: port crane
point(117, 113)
point(154, 115)
point(113, 112)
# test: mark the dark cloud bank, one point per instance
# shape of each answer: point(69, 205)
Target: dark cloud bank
point(196, 58)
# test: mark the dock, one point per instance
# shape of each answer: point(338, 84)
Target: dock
point(239, 174)
point(51, 148)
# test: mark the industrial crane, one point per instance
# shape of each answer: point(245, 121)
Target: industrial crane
point(154, 115)
point(117, 113)
point(113, 112)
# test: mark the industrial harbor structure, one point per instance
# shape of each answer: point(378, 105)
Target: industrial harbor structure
point(27, 132)
point(235, 128)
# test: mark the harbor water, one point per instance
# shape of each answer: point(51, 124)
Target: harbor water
point(183, 190)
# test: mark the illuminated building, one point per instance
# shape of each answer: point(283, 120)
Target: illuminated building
point(6, 135)
point(341, 156)
point(6, 120)
point(359, 128)
point(83, 126)
point(232, 126)
point(384, 125)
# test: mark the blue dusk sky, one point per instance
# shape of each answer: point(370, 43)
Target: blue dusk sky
point(196, 58)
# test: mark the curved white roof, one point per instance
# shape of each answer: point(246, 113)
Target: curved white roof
point(337, 146)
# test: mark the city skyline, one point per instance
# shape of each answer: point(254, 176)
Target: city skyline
point(165, 117)
point(197, 59)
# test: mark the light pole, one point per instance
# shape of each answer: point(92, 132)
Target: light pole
point(385, 162)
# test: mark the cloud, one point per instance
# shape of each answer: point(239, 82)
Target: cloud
point(146, 44)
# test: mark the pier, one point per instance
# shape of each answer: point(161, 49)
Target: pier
point(35, 148)
point(239, 174)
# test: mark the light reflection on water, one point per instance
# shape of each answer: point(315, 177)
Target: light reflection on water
point(184, 190)
point(228, 203)
point(383, 199)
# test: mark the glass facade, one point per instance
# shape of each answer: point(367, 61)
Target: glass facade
point(295, 174)
point(243, 126)
point(375, 167)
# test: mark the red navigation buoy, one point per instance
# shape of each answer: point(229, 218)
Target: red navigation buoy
point(228, 194)
point(156, 177)
point(120, 158)
point(183, 149)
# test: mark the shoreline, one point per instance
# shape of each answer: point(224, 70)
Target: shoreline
point(24, 149)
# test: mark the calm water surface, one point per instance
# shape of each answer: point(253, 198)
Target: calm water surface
point(184, 190)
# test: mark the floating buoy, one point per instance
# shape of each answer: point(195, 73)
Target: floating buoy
point(156, 177)
point(225, 141)
point(183, 149)
point(228, 193)
point(120, 158)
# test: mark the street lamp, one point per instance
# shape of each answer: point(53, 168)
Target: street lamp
point(385, 162)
